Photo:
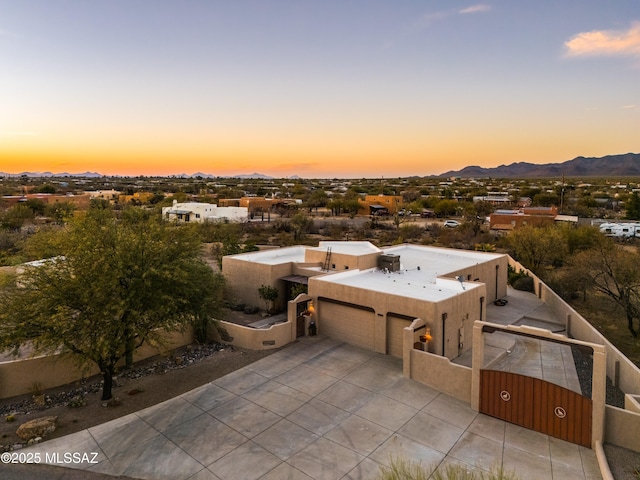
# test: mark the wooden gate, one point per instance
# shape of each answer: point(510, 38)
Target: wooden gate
point(536, 404)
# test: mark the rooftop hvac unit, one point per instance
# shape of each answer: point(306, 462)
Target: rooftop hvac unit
point(389, 262)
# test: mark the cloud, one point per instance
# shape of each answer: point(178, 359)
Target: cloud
point(429, 18)
point(605, 43)
point(475, 9)
point(629, 107)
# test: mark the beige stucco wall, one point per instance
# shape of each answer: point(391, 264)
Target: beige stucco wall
point(622, 427)
point(342, 261)
point(244, 278)
point(433, 370)
point(461, 311)
point(258, 338)
point(19, 376)
point(632, 402)
point(381, 304)
point(439, 373)
point(486, 273)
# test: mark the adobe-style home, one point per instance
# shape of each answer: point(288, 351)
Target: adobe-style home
point(443, 312)
point(367, 296)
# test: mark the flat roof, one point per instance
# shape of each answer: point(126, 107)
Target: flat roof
point(436, 261)
point(347, 248)
point(412, 283)
point(274, 256)
point(420, 274)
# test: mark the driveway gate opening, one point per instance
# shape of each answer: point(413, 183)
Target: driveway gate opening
point(539, 404)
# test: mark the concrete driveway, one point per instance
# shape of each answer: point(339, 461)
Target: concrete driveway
point(318, 409)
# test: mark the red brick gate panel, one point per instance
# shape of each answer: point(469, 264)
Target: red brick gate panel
point(536, 404)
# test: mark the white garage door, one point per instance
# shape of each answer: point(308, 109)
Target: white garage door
point(347, 323)
point(395, 335)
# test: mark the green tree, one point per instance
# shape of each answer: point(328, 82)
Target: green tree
point(269, 294)
point(633, 207)
point(119, 285)
point(61, 212)
point(537, 247)
point(36, 205)
point(445, 208)
point(300, 224)
point(46, 189)
point(16, 217)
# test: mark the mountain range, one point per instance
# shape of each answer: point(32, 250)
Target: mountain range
point(627, 165)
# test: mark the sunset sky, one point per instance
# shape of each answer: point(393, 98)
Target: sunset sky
point(315, 88)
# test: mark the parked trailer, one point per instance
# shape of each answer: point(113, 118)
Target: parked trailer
point(620, 230)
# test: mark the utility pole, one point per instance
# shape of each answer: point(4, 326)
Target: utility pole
point(562, 196)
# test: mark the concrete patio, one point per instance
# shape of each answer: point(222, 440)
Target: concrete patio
point(317, 409)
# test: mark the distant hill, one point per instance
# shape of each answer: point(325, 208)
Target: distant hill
point(627, 165)
point(98, 175)
point(49, 174)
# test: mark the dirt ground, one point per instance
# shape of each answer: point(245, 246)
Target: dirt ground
point(153, 389)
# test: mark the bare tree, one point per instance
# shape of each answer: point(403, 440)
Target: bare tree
point(615, 272)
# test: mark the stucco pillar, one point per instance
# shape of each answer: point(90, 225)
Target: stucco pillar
point(407, 347)
point(292, 307)
point(598, 394)
point(477, 361)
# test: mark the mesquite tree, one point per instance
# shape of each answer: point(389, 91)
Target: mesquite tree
point(117, 284)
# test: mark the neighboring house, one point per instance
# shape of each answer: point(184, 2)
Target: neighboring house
point(80, 201)
point(138, 197)
point(366, 296)
point(256, 204)
point(392, 204)
point(194, 212)
point(109, 195)
point(497, 198)
point(510, 219)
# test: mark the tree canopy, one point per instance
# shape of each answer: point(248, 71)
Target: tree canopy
point(116, 285)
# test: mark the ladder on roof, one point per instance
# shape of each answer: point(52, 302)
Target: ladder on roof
point(327, 260)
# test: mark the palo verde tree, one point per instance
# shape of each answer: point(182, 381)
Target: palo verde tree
point(116, 285)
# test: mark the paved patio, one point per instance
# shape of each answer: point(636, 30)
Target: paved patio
point(318, 409)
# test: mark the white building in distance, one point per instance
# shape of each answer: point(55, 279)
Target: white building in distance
point(190, 212)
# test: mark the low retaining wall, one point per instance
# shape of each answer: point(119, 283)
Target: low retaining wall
point(21, 376)
point(274, 336)
point(439, 373)
point(622, 427)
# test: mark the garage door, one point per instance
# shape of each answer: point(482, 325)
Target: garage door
point(349, 323)
point(395, 335)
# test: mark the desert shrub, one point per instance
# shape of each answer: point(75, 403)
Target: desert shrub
point(524, 283)
point(402, 469)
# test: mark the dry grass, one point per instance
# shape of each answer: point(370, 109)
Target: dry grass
point(403, 469)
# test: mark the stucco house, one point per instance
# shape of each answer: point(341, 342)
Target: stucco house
point(438, 310)
point(367, 295)
point(196, 212)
